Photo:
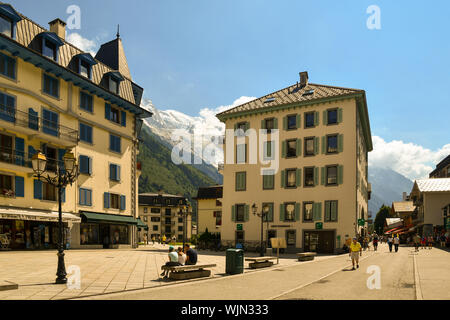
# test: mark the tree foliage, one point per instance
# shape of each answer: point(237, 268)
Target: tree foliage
point(380, 219)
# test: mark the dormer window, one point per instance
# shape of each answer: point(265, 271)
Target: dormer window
point(6, 26)
point(49, 50)
point(113, 85)
point(8, 19)
point(50, 45)
point(85, 63)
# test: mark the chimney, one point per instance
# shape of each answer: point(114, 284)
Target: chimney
point(303, 79)
point(404, 196)
point(59, 27)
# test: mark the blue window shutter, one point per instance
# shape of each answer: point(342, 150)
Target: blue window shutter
point(107, 111)
point(106, 200)
point(20, 151)
point(20, 187)
point(89, 134)
point(111, 142)
point(33, 120)
point(119, 142)
point(118, 173)
point(37, 189)
point(80, 191)
point(123, 118)
point(83, 164)
point(89, 197)
point(63, 195)
point(122, 202)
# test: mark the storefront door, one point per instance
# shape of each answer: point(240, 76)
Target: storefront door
point(319, 241)
point(105, 235)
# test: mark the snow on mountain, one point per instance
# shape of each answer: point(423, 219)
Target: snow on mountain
point(163, 123)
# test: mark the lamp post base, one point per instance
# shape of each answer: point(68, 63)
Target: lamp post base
point(61, 273)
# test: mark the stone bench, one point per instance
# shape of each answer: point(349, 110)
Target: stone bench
point(306, 256)
point(189, 271)
point(260, 262)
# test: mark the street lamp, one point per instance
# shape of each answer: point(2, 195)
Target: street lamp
point(66, 173)
point(184, 212)
point(263, 214)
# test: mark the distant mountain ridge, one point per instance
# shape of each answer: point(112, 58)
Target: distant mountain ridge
point(387, 187)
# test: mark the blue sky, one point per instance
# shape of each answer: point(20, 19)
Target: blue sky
point(189, 55)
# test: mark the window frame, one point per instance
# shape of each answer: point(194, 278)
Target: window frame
point(91, 130)
point(91, 97)
point(273, 182)
point(245, 153)
point(286, 212)
point(6, 61)
point(305, 203)
point(305, 153)
point(295, 121)
point(244, 188)
point(294, 170)
point(328, 116)
point(87, 203)
point(12, 23)
point(240, 205)
point(337, 211)
point(327, 143)
point(306, 119)
point(326, 175)
point(305, 176)
point(111, 201)
point(117, 82)
point(51, 86)
point(45, 187)
point(287, 148)
point(120, 143)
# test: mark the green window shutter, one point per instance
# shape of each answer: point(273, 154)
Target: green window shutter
point(325, 117)
point(275, 123)
point(319, 211)
point(322, 180)
point(247, 213)
point(233, 213)
point(270, 214)
point(281, 212)
point(299, 147)
point(324, 145)
point(340, 174)
point(285, 120)
point(283, 178)
point(37, 189)
point(341, 143)
point(284, 149)
point(340, 115)
point(298, 123)
point(327, 210)
point(316, 118)
point(316, 176)
point(316, 145)
point(314, 212)
point(333, 211)
point(299, 177)
point(297, 211)
point(263, 124)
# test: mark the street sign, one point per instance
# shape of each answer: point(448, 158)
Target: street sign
point(239, 227)
point(361, 222)
point(319, 225)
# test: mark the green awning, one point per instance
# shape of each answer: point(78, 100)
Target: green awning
point(89, 217)
point(141, 224)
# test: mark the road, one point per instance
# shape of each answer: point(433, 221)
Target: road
point(326, 279)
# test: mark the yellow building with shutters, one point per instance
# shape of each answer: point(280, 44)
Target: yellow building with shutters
point(56, 98)
point(316, 143)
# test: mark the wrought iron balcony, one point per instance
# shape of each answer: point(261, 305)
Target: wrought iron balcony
point(23, 159)
point(32, 123)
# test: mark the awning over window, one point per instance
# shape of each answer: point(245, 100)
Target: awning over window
point(36, 215)
point(141, 224)
point(93, 217)
point(392, 230)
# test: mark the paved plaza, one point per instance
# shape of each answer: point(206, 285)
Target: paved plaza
point(135, 274)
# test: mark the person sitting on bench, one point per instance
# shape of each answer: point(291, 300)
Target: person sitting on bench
point(191, 255)
point(173, 261)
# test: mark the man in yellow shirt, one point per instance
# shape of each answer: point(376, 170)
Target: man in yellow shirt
point(355, 252)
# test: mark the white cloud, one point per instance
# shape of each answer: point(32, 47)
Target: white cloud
point(84, 44)
point(409, 159)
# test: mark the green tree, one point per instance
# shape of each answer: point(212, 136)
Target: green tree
point(380, 219)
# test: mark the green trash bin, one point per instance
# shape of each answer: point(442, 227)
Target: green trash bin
point(234, 261)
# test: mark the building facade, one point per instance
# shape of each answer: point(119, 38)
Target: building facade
point(314, 181)
point(442, 169)
point(56, 98)
point(209, 209)
point(161, 213)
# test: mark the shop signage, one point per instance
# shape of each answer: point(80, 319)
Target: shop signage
point(319, 225)
point(239, 227)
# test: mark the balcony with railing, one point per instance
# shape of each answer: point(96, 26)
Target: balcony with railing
point(31, 124)
point(12, 159)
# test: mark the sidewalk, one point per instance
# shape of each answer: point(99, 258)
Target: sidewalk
point(102, 271)
point(434, 273)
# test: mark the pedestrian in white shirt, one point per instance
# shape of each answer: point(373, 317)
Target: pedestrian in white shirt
point(396, 243)
point(181, 256)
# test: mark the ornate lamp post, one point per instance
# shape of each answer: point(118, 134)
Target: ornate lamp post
point(263, 214)
point(66, 173)
point(184, 212)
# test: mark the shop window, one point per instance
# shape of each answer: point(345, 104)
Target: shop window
point(119, 234)
point(89, 234)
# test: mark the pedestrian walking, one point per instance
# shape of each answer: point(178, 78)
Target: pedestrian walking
point(390, 242)
point(430, 242)
point(443, 240)
point(375, 242)
point(416, 242)
point(396, 243)
point(164, 239)
point(153, 240)
point(355, 253)
point(423, 242)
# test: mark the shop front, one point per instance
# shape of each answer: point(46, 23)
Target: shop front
point(26, 229)
point(107, 231)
